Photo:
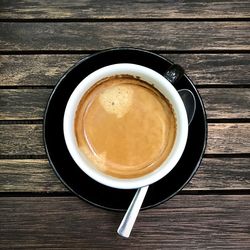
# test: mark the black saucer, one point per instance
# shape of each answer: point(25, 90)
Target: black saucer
point(75, 179)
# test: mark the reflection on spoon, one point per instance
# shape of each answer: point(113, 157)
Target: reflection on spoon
point(129, 218)
point(189, 102)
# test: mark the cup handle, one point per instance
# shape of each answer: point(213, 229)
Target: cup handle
point(174, 73)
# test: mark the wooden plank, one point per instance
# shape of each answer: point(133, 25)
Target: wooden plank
point(215, 69)
point(222, 174)
point(228, 138)
point(26, 139)
point(34, 175)
point(22, 139)
point(35, 70)
point(28, 176)
point(26, 104)
point(45, 70)
point(226, 103)
point(23, 103)
point(130, 9)
point(177, 36)
point(184, 222)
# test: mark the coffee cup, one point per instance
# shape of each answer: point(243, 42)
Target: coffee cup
point(109, 107)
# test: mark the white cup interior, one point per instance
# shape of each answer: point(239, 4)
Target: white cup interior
point(159, 82)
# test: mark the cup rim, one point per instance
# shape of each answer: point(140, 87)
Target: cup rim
point(164, 86)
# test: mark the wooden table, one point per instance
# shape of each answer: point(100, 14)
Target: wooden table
point(40, 40)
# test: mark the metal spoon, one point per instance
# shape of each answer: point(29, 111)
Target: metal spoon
point(129, 218)
point(189, 102)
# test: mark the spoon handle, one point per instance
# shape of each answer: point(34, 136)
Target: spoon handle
point(129, 218)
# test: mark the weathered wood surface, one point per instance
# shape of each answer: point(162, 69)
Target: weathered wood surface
point(28, 175)
point(226, 103)
point(178, 36)
point(40, 40)
point(228, 138)
point(203, 69)
point(36, 175)
point(222, 174)
point(23, 104)
point(23, 139)
point(184, 222)
point(123, 9)
point(26, 139)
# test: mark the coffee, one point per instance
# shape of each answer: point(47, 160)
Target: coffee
point(125, 126)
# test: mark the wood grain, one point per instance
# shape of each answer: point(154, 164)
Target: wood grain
point(228, 138)
point(222, 174)
point(123, 9)
point(23, 104)
point(178, 36)
point(26, 139)
point(36, 175)
point(21, 139)
point(184, 222)
point(203, 69)
point(35, 70)
point(226, 103)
